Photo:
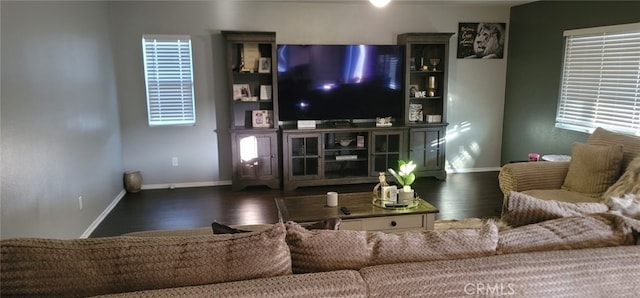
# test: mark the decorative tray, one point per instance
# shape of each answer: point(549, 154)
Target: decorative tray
point(407, 204)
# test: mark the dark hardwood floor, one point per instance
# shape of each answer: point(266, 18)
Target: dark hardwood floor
point(460, 196)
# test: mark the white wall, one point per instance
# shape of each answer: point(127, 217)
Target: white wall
point(67, 131)
point(60, 131)
point(476, 87)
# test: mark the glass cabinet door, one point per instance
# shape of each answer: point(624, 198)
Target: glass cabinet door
point(386, 150)
point(304, 156)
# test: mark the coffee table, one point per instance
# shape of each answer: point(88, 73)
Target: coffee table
point(364, 215)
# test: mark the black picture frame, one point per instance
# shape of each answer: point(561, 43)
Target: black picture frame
point(481, 40)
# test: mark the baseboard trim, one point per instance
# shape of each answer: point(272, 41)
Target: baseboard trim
point(473, 170)
point(185, 184)
point(103, 215)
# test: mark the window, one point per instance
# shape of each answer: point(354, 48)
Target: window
point(168, 74)
point(601, 79)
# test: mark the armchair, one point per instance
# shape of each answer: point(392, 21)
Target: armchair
point(548, 180)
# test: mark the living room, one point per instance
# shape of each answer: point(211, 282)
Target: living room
point(74, 114)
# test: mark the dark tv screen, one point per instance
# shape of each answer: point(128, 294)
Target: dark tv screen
point(340, 82)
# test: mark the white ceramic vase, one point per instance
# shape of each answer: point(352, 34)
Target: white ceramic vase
point(405, 194)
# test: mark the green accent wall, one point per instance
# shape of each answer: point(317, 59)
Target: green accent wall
point(534, 67)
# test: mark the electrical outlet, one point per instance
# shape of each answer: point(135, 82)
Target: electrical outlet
point(80, 202)
point(174, 161)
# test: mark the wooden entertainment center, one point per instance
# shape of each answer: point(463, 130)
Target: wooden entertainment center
point(266, 151)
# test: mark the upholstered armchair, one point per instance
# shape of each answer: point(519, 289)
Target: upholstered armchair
point(593, 173)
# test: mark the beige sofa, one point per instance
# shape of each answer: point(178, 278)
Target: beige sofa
point(593, 174)
point(584, 256)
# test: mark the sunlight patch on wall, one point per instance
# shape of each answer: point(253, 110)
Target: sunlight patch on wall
point(468, 150)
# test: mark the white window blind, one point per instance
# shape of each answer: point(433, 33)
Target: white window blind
point(601, 79)
point(168, 72)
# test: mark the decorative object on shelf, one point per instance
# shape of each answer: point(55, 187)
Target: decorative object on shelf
point(432, 82)
point(434, 118)
point(360, 141)
point(383, 122)
point(434, 62)
point(133, 181)
point(265, 92)
point(265, 65)
point(250, 57)
point(412, 63)
point(412, 90)
point(262, 118)
point(416, 93)
point(415, 112)
point(432, 86)
point(344, 142)
point(242, 92)
point(481, 40)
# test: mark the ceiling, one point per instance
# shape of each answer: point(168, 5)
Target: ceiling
point(509, 2)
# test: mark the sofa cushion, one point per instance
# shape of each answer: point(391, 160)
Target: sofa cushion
point(561, 195)
point(630, 144)
point(593, 168)
point(324, 250)
point(628, 183)
point(597, 272)
point(85, 267)
point(343, 283)
point(597, 230)
point(523, 209)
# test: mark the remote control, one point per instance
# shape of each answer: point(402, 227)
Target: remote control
point(345, 210)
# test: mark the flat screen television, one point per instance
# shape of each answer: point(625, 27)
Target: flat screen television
point(340, 82)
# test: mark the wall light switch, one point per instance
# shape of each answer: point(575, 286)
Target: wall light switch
point(174, 161)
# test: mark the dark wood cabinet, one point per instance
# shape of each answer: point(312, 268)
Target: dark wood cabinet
point(426, 82)
point(427, 150)
point(331, 156)
point(255, 156)
point(253, 98)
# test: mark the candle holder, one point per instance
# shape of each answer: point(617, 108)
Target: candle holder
point(431, 86)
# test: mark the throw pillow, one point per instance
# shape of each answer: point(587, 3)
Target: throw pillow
point(593, 168)
point(323, 250)
point(224, 229)
point(630, 144)
point(629, 182)
point(523, 209)
point(596, 230)
point(96, 266)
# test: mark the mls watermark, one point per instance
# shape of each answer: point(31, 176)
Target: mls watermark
point(490, 289)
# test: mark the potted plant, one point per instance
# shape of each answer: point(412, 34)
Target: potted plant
point(405, 177)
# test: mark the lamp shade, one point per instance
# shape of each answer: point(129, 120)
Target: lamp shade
point(380, 3)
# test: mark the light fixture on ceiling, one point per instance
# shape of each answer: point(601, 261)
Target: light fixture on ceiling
point(379, 3)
